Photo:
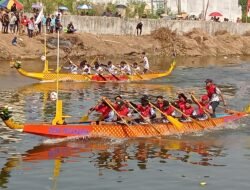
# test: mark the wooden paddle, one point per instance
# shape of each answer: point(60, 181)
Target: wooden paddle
point(144, 118)
point(125, 122)
point(204, 109)
point(193, 120)
point(172, 120)
point(85, 118)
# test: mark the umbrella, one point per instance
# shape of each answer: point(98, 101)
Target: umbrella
point(84, 7)
point(63, 8)
point(9, 3)
point(36, 6)
point(121, 6)
point(215, 14)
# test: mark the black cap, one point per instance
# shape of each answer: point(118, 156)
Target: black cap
point(208, 80)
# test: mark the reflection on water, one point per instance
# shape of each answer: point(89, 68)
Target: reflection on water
point(117, 156)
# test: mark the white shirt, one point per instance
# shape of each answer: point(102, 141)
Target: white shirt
point(146, 63)
point(136, 70)
point(216, 95)
point(73, 68)
point(126, 69)
point(99, 69)
point(112, 69)
point(86, 70)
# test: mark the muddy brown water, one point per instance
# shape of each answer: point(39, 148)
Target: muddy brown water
point(218, 159)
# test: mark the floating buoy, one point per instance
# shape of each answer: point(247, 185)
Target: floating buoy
point(203, 183)
point(53, 96)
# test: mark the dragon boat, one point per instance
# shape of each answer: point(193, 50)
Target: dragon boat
point(60, 129)
point(51, 76)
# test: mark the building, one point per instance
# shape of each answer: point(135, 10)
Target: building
point(228, 8)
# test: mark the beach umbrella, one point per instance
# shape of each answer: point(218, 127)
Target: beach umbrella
point(63, 8)
point(215, 14)
point(84, 7)
point(121, 6)
point(8, 3)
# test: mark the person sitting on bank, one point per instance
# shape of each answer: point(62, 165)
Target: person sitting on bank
point(70, 28)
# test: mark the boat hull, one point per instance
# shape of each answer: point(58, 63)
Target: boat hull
point(91, 129)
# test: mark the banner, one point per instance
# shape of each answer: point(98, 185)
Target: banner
point(39, 17)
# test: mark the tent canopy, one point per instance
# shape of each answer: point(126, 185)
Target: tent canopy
point(8, 3)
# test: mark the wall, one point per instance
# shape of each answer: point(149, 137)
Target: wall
point(118, 26)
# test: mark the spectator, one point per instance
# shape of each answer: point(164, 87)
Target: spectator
point(58, 23)
point(24, 24)
point(17, 23)
point(52, 24)
point(139, 28)
point(6, 21)
point(44, 21)
point(70, 28)
point(13, 8)
point(14, 41)
point(48, 23)
point(31, 27)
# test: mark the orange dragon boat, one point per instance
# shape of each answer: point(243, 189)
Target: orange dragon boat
point(59, 128)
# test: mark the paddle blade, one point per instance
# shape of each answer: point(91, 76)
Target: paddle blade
point(247, 109)
point(175, 122)
point(84, 118)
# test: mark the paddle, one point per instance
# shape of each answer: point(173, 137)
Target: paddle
point(193, 120)
point(85, 118)
point(125, 122)
point(204, 109)
point(172, 120)
point(144, 118)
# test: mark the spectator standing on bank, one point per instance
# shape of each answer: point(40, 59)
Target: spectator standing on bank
point(6, 21)
point(31, 27)
point(52, 24)
point(13, 20)
point(139, 28)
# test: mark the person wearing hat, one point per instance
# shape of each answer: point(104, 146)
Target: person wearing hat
point(214, 94)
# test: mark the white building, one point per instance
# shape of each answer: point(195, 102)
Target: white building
point(228, 8)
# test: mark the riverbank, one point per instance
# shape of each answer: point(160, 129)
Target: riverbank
point(160, 42)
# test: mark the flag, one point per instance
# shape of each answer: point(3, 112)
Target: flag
point(39, 17)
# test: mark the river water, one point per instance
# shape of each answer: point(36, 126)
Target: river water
point(218, 159)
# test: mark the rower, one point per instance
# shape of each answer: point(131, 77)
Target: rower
point(111, 68)
point(145, 110)
point(121, 108)
point(189, 111)
point(168, 110)
point(72, 67)
point(159, 102)
point(125, 68)
point(214, 94)
point(85, 68)
point(203, 108)
point(145, 62)
point(135, 68)
point(98, 69)
point(180, 103)
point(107, 114)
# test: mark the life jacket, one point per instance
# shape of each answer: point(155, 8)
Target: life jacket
point(202, 107)
point(211, 89)
point(104, 110)
point(188, 111)
point(122, 111)
point(169, 110)
point(144, 110)
point(181, 105)
point(159, 105)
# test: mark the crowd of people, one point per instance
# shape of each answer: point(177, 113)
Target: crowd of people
point(145, 111)
point(124, 67)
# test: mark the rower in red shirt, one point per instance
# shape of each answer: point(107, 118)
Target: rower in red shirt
point(168, 110)
point(180, 103)
point(189, 111)
point(159, 102)
point(107, 114)
point(204, 108)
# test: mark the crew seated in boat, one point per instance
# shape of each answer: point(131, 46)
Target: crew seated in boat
point(168, 110)
point(145, 109)
point(180, 103)
point(107, 114)
point(72, 67)
point(111, 68)
point(159, 102)
point(135, 68)
point(204, 108)
point(189, 111)
point(125, 68)
point(122, 110)
point(84, 68)
point(97, 67)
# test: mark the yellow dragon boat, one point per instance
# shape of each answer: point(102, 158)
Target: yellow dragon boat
point(48, 76)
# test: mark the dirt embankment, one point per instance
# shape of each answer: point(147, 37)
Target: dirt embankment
point(160, 42)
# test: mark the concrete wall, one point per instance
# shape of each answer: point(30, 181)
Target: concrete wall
point(118, 26)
